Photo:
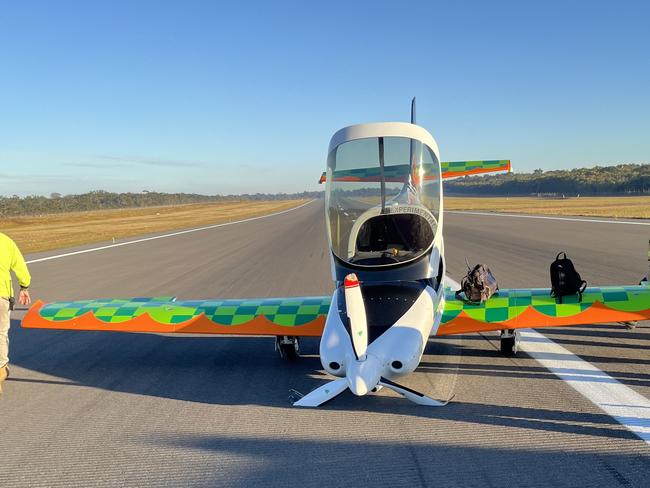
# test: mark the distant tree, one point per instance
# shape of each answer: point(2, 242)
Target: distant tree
point(99, 199)
point(623, 179)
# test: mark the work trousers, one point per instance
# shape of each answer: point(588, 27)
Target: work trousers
point(4, 331)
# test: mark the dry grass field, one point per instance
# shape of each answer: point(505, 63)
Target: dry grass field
point(41, 233)
point(617, 207)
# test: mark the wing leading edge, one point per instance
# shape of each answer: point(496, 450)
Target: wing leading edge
point(523, 308)
point(301, 316)
point(305, 316)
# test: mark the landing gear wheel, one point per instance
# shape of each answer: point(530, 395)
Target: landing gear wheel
point(288, 347)
point(510, 342)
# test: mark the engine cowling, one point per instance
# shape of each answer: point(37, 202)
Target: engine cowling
point(335, 345)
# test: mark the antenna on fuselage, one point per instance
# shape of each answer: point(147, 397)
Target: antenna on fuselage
point(413, 111)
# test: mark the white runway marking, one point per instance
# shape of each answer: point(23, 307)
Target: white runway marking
point(108, 246)
point(544, 217)
point(623, 404)
point(626, 406)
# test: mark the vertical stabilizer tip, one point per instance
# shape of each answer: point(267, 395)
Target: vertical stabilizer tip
point(413, 111)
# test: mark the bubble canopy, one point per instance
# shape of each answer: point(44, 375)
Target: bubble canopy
point(383, 194)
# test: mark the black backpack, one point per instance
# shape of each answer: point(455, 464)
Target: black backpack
point(565, 280)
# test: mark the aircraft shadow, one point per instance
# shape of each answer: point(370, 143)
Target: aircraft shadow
point(344, 460)
point(247, 371)
point(530, 372)
point(608, 332)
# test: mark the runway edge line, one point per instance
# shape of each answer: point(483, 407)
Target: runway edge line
point(172, 234)
point(546, 217)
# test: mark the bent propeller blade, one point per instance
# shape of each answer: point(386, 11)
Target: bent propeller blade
point(323, 393)
point(414, 396)
point(356, 311)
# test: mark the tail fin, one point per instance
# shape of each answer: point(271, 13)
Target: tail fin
point(413, 111)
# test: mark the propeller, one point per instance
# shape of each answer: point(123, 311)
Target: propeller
point(323, 393)
point(409, 394)
point(362, 374)
point(356, 311)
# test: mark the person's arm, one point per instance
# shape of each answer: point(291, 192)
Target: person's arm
point(19, 267)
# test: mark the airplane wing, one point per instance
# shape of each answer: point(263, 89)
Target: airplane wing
point(464, 168)
point(305, 316)
point(398, 172)
point(301, 316)
point(394, 173)
point(523, 308)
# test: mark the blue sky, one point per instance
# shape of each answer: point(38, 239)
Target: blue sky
point(211, 97)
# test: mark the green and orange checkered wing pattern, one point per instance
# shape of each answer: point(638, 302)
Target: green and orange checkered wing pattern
point(522, 308)
point(464, 168)
point(301, 316)
point(400, 172)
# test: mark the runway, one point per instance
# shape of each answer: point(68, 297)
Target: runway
point(113, 409)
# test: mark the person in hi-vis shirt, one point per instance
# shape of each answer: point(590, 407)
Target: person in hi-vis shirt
point(10, 260)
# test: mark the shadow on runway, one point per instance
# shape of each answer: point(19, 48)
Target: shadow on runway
point(247, 371)
point(605, 331)
point(406, 462)
point(610, 335)
point(533, 372)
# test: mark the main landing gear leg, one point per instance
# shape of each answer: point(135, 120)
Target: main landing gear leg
point(510, 339)
point(288, 347)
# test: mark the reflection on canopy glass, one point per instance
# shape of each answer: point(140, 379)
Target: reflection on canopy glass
point(383, 200)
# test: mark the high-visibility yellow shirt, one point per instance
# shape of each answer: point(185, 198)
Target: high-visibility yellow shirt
point(11, 260)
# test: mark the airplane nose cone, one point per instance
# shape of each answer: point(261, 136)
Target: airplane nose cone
point(363, 376)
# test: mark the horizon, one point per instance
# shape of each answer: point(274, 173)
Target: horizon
point(209, 99)
point(490, 176)
point(316, 190)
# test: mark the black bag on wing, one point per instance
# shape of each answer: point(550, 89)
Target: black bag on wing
point(565, 280)
point(479, 284)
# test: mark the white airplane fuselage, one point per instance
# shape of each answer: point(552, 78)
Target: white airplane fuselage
point(396, 352)
point(395, 247)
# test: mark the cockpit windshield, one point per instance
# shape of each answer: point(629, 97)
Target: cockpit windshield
point(383, 200)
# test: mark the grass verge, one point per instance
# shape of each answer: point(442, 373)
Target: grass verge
point(616, 207)
point(45, 232)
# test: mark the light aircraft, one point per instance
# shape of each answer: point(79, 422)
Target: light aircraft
point(384, 219)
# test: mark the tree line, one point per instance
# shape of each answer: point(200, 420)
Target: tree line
point(101, 200)
point(623, 179)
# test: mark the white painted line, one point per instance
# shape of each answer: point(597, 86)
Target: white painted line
point(626, 406)
point(178, 233)
point(543, 217)
point(622, 403)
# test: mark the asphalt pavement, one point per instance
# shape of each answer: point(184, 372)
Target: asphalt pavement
point(114, 409)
